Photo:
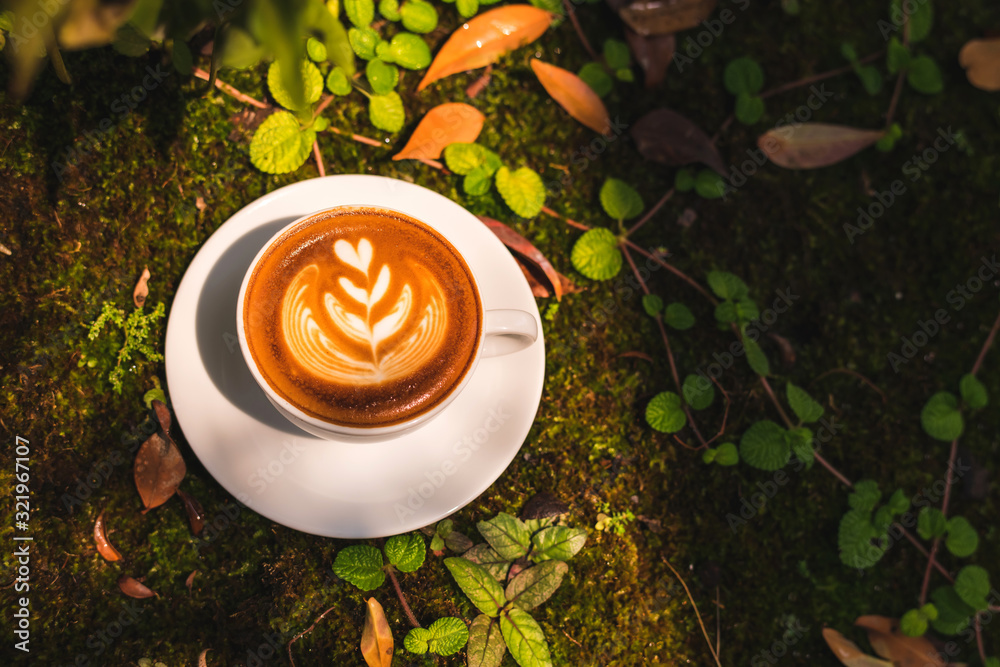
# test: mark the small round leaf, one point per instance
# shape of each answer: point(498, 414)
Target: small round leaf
point(765, 446)
point(597, 78)
point(522, 190)
point(596, 254)
point(620, 200)
point(279, 146)
point(652, 304)
point(386, 112)
point(382, 77)
point(698, 391)
point(678, 316)
point(743, 75)
point(419, 16)
point(665, 414)
point(940, 417)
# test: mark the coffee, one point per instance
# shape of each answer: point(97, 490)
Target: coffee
point(362, 317)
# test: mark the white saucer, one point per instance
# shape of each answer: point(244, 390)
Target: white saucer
point(344, 489)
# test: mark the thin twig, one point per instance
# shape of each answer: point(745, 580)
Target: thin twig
point(358, 138)
point(305, 632)
point(323, 104)
point(229, 90)
point(898, 90)
point(718, 623)
point(979, 638)
point(649, 214)
point(318, 157)
point(940, 568)
point(987, 345)
point(725, 414)
point(571, 12)
point(848, 371)
point(674, 270)
point(571, 223)
point(833, 471)
point(816, 78)
point(777, 404)
point(435, 164)
point(697, 613)
point(402, 599)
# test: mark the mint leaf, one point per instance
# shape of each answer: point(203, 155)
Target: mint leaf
point(382, 77)
point(524, 638)
point(803, 405)
point(535, 585)
point(898, 503)
point(361, 565)
point(486, 644)
point(386, 112)
point(726, 285)
point(597, 78)
point(962, 540)
point(596, 254)
point(522, 190)
point(931, 523)
point(445, 636)
point(921, 18)
point(279, 146)
point(481, 588)
point(800, 440)
point(665, 414)
point(409, 51)
point(406, 552)
point(464, 158)
point(941, 418)
point(864, 496)
point(417, 641)
point(870, 78)
point(709, 184)
point(478, 181)
point(756, 358)
point(913, 623)
point(897, 56)
point(924, 76)
point(698, 391)
point(749, 108)
point(467, 8)
point(684, 180)
point(726, 454)
point(861, 544)
point(973, 392)
point(620, 200)
point(316, 50)
point(765, 446)
point(652, 304)
point(312, 84)
point(494, 563)
point(360, 12)
point(743, 75)
point(337, 82)
point(363, 41)
point(616, 53)
point(953, 615)
point(973, 585)
point(507, 535)
point(389, 9)
point(678, 316)
point(557, 543)
point(419, 16)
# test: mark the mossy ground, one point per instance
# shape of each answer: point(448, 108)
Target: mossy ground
point(130, 202)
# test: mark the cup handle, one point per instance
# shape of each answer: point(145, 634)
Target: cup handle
point(508, 331)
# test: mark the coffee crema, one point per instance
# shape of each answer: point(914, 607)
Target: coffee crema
point(362, 317)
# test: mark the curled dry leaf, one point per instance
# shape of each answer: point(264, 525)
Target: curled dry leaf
point(376, 638)
point(196, 515)
point(654, 54)
point(543, 505)
point(523, 247)
point(159, 470)
point(848, 652)
point(189, 582)
point(445, 124)
point(667, 137)
point(133, 588)
point(890, 643)
point(162, 415)
point(573, 95)
point(203, 658)
point(981, 60)
point(482, 41)
point(104, 547)
point(141, 290)
point(655, 17)
point(813, 145)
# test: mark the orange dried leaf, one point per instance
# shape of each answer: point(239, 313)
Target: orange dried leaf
point(904, 651)
point(573, 95)
point(159, 470)
point(141, 290)
point(812, 145)
point(848, 652)
point(482, 41)
point(523, 247)
point(196, 515)
point(444, 124)
point(981, 60)
point(104, 547)
point(162, 415)
point(376, 639)
point(203, 658)
point(133, 588)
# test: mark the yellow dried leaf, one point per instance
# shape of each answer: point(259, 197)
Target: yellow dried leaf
point(376, 638)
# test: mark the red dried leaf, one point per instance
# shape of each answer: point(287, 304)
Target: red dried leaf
point(813, 145)
point(133, 588)
point(665, 136)
point(141, 290)
point(574, 95)
point(445, 124)
point(196, 515)
point(653, 17)
point(163, 415)
point(654, 54)
point(523, 247)
point(104, 546)
point(159, 470)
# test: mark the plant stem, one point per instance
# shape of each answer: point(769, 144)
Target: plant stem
point(651, 212)
point(402, 599)
point(674, 270)
point(979, 638)
point(229, 90)
point(572, 223)
point(816, 78)
point(987, 345)
point(777, 404)
point(305, 632)
point(848, 371)
point(319, 158)
point(358, 138)
point(571, 12)
point(711, 649)
point(898, 89)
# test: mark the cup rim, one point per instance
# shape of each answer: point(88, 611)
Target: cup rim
point(294, 413)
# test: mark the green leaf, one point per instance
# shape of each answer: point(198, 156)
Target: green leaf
point(756, 358)
point(620, 200)
point(924, 76)
point(557, 543)
point(363, 41)
point(871, 78)
point(941, 418)
point(665, 414)
point(929, 611)
point(279, 146)
point(921, 19)
point(419, 16)
point(803, 405)
point(6, 20)
point(129, 41)
point(596, 254)
point(684, 180)
point(467, 8)
point(478, 181)
point(361, 565)
point(389, 9)
point(847, 50)
point(882, 519)
point(337, 82)
point(445, 636)
point(155, 394)
point(864, 496)
point(726, 454)
point(494, 563)
point(383, 51)
point(625, 74)
point(861, 544)
point(973, 585)
point(898, 502)
point(913, 623)
point(973, 392)
point(417, 641)
point(740, 312)
point(481, 588)
point(437, 543)
point(522, 190)
point(749, 108)
point(507, 535)
point(709, 184)
point(954, 615)
point(524, 638)
point(708, 456)
point(597, 78)
point(316, 50)
point(535, 585)
point(743, 75)
point(897, 56)
point(406, 552)
point(616, 54)
point(962, 540)
point(698, 391)
point(931, 523)
point(360, 12)
point(180, 57)
point(991, 662)
point(652, 304)
point(800, 440)
point(486, 644)
point(409, 51)
point(726, 285)
point(678, 316)
point(463, 158)
point(765, 446)
point(312, 82)
point(386, 112)
point(382, 77)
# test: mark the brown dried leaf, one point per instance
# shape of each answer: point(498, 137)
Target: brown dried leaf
point(444, 124)
point(544, 505)
point(133, 588)
point(189, 582)
point(573, 95)
point(196, 515)
point(485, 38)
point(787, 351)
point(981, 60)
point(376, 638)
point(203, 658)
point(523, 247)
point(665, 136)
point(159, 470)
point(104, 547)
point(813, 145)
point(848, 652)
point(655, 17)
point(902, 650)
point(654, 54)
point(162, 415)
point(637, 355)
point(141, 290)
